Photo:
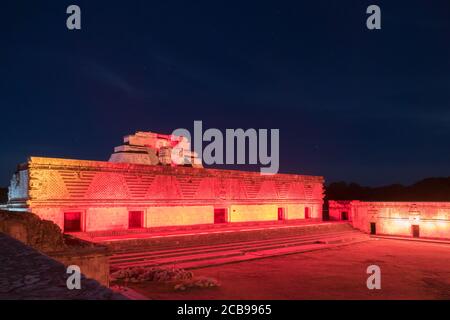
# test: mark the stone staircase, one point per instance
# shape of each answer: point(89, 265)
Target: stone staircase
point(217, 254)
point(214, 236)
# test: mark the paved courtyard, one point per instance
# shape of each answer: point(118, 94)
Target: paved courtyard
point(409, 270)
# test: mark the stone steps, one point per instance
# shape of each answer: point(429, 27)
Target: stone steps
point(228, 235)
point(203, 256)
point(220, 247)
point(263, 254)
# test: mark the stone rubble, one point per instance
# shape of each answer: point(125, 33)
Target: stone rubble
point(181, 279)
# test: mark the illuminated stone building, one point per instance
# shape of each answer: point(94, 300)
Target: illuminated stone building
point(416, 219)
point(141, 188)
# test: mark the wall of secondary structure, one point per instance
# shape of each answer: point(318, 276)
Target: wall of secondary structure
point(337, 208)
point(397, 218)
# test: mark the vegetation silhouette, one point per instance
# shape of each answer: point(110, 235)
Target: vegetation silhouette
point(429, 189)
point(3, 195)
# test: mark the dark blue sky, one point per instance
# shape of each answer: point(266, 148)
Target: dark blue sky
point(351, 104)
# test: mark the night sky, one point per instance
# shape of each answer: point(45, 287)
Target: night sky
point(351, 104)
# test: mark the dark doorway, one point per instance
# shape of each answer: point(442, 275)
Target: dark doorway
point(307, 213)
point(415, 231)
point(373, 228)
point(344, 215)
point(135, 219)
point(281, 215)
point(220, 215)
point(72, 221)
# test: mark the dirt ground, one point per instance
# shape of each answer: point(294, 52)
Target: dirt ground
point(409, 270)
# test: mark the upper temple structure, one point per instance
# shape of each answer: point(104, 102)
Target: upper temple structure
point(153, 149)
point(141, 187)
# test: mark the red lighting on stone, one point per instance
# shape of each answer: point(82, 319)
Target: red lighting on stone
point(105, 194)
point(417, 219)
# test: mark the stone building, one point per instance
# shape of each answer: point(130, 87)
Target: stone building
point(140, 188)
point(416, 219)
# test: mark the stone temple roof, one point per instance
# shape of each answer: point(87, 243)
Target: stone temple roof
point(155, 149)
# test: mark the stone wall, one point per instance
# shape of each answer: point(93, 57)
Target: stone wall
point(337, 207)
point(93, 261)
point(46, 237)
point(26, 273)
point(28, 228)
point(104, 192)
point(397, 218)
point(18, 188)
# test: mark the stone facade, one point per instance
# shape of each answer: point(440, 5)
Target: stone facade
point(104, 194)
point(418, 219)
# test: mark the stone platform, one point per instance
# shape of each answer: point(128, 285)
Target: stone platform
point(209, 235)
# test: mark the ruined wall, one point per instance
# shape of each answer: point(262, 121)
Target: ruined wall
point(397, 218)
point(18, 188)
point(28, 228)
point(27, 274)
point(46, 237)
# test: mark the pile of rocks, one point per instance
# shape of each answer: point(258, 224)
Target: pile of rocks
point(200, 282)
point(140, 274)
point(181, 279)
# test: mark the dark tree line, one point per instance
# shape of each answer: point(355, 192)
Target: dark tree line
point(429, 189)
point(3, 195)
